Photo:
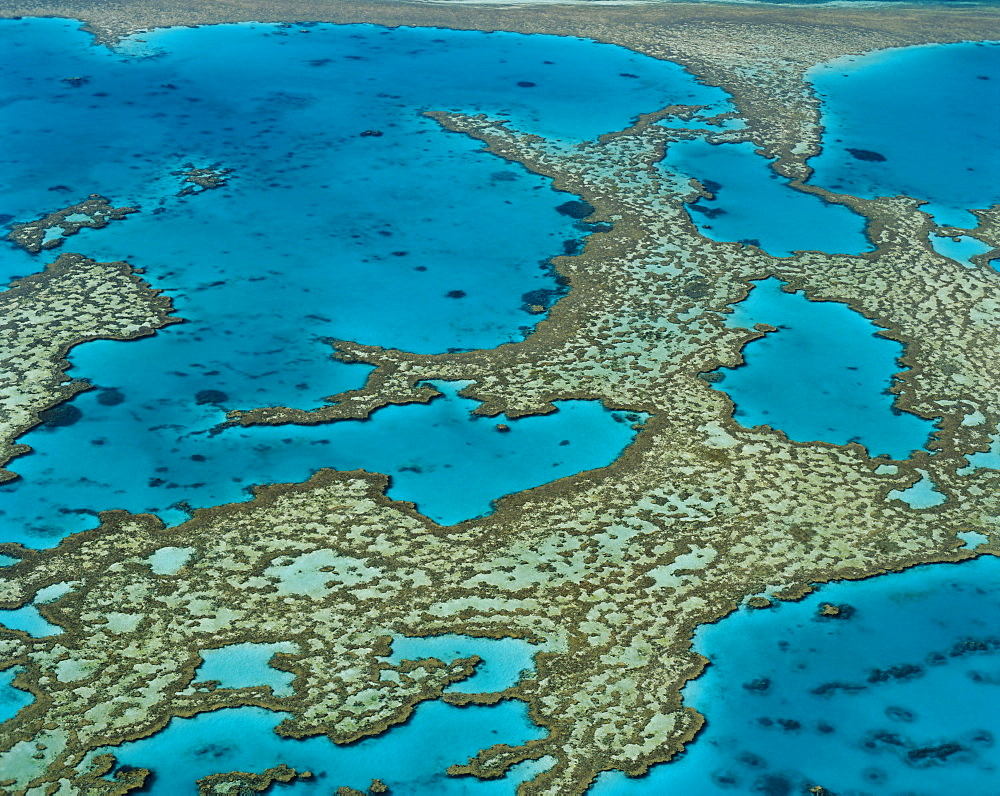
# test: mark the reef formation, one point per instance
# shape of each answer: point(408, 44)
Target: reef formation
point(610, 571)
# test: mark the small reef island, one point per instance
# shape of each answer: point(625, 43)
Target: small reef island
point(485, 398)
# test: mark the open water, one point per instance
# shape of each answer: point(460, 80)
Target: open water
point(414, 238)
point(897, 695)
point(917, 121)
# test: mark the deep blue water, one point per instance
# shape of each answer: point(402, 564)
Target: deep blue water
point(898, 697)
point(921, 121)
point(822, 376)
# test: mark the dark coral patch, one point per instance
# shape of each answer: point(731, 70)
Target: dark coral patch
point(110, 397)
point(867, 154)
point(575, 210)
point(210, 397)
point(57, 416)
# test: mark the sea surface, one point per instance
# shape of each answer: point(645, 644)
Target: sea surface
point(896, 695)
point(412, 237)
point(916, 121)
point(754, 205)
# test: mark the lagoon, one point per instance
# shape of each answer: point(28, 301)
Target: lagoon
point(161, 454)
point(504, 660)
point(12, 699)
point(821, 376)
point(961, 248)
point(411, 237)
point(754, 205)
point(896, 694)
point(917, 121)
point(411, 758)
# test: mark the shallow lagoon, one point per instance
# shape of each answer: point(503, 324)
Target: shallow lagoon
point(403, 238)
point(753, 204)
point(504, 661)
point(11, 699)
point(411, 758)
point(822, 376)
point(158, 455)
point(870, 702)
point(245, 665)
point(918, 121)
point(961, 248)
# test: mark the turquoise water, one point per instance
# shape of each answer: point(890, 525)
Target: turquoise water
point(417, 239)
point(29, 620)
point(989, 459)
point(822, 376)
point(246, 665)
point(922, 122)
point(961, 250)
point(413, 238)
point(504, 660)
point(502, 665)
point(752, 204)
point(410, 759)
point(896, 696)
point(921, 495)
point(11, 699)
point(161, 455)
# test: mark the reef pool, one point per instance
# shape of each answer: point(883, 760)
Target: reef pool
point(961, 248)
point(11, 699)
point(162, 454)
point(910, 121)
point(342, 212)
point(822, 375)
point(411, 759)
point(752, 204)
point(245, 665)
point(505, 660)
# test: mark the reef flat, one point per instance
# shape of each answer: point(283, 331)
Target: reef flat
point(614, 569)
